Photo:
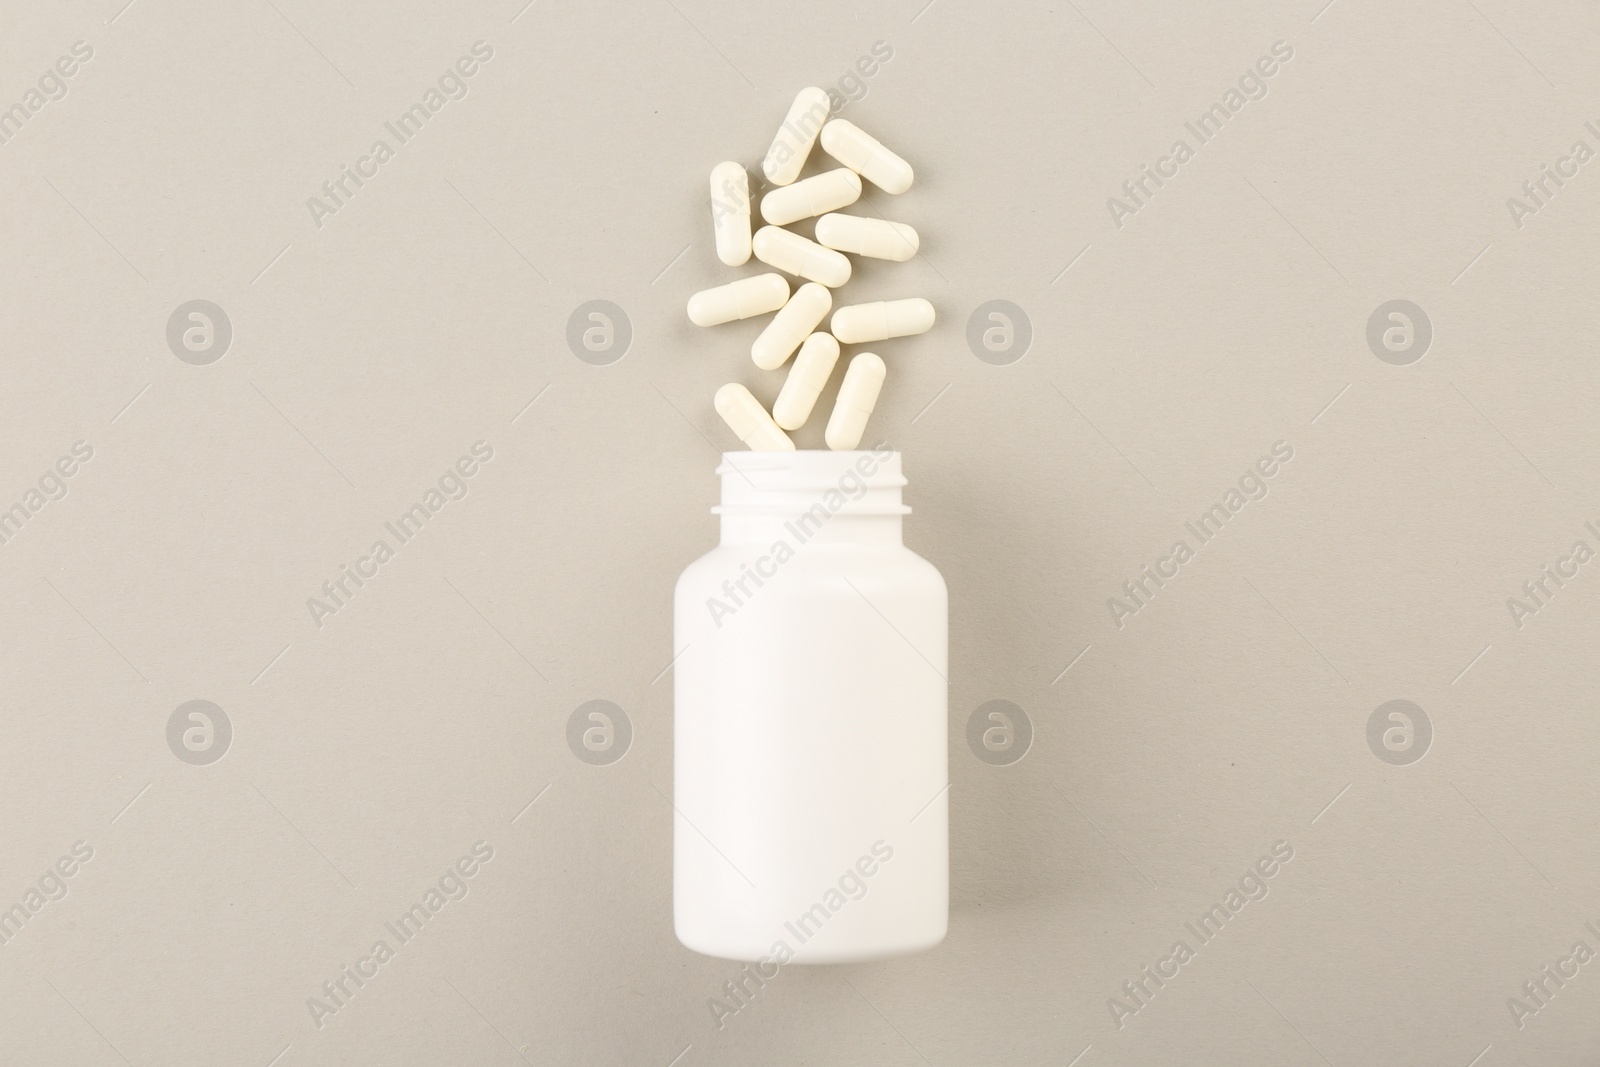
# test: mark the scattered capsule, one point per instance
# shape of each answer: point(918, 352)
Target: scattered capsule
point(796, 255)
point(805, 381)
point(828, 191)
point(862, 153)
point(738, 300)
point(749, 420)
point(877, 238)
point(730, 212)
point(805, 309)
point(854, 324)
point(794, 139)
point(858, 395)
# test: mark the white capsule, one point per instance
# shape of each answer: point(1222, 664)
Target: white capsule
point(794, 139)
point(854, 324)
point(805, 381)
point(819, 193)
point(858, 395)
point(877, 238)
point(730, 212)
point(864, 154)
point(807, 307)
point(738, 300)
point(795, 254)
point(749, 420)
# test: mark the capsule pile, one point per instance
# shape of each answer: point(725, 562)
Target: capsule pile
point(823, 266)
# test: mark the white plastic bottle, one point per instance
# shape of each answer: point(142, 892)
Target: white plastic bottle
point(810, 760)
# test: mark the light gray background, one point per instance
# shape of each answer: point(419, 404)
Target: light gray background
point(1168, 355)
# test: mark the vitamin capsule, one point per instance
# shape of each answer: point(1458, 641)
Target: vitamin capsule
point(792, 253)
point(749, 420)
point(805, 381)
point(877, 238)
point(827, 191)
point(795, 137)
point(807, 307)
point(738, 300)
point(856, 323)
point(730, 212)
point(862, 153)
point(858, 395)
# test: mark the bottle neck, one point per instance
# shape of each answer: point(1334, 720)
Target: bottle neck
point(810, 528)
point(812, 497)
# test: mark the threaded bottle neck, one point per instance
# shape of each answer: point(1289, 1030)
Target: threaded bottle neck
point(811, 494)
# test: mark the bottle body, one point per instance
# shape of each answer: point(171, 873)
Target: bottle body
point(810, 756)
